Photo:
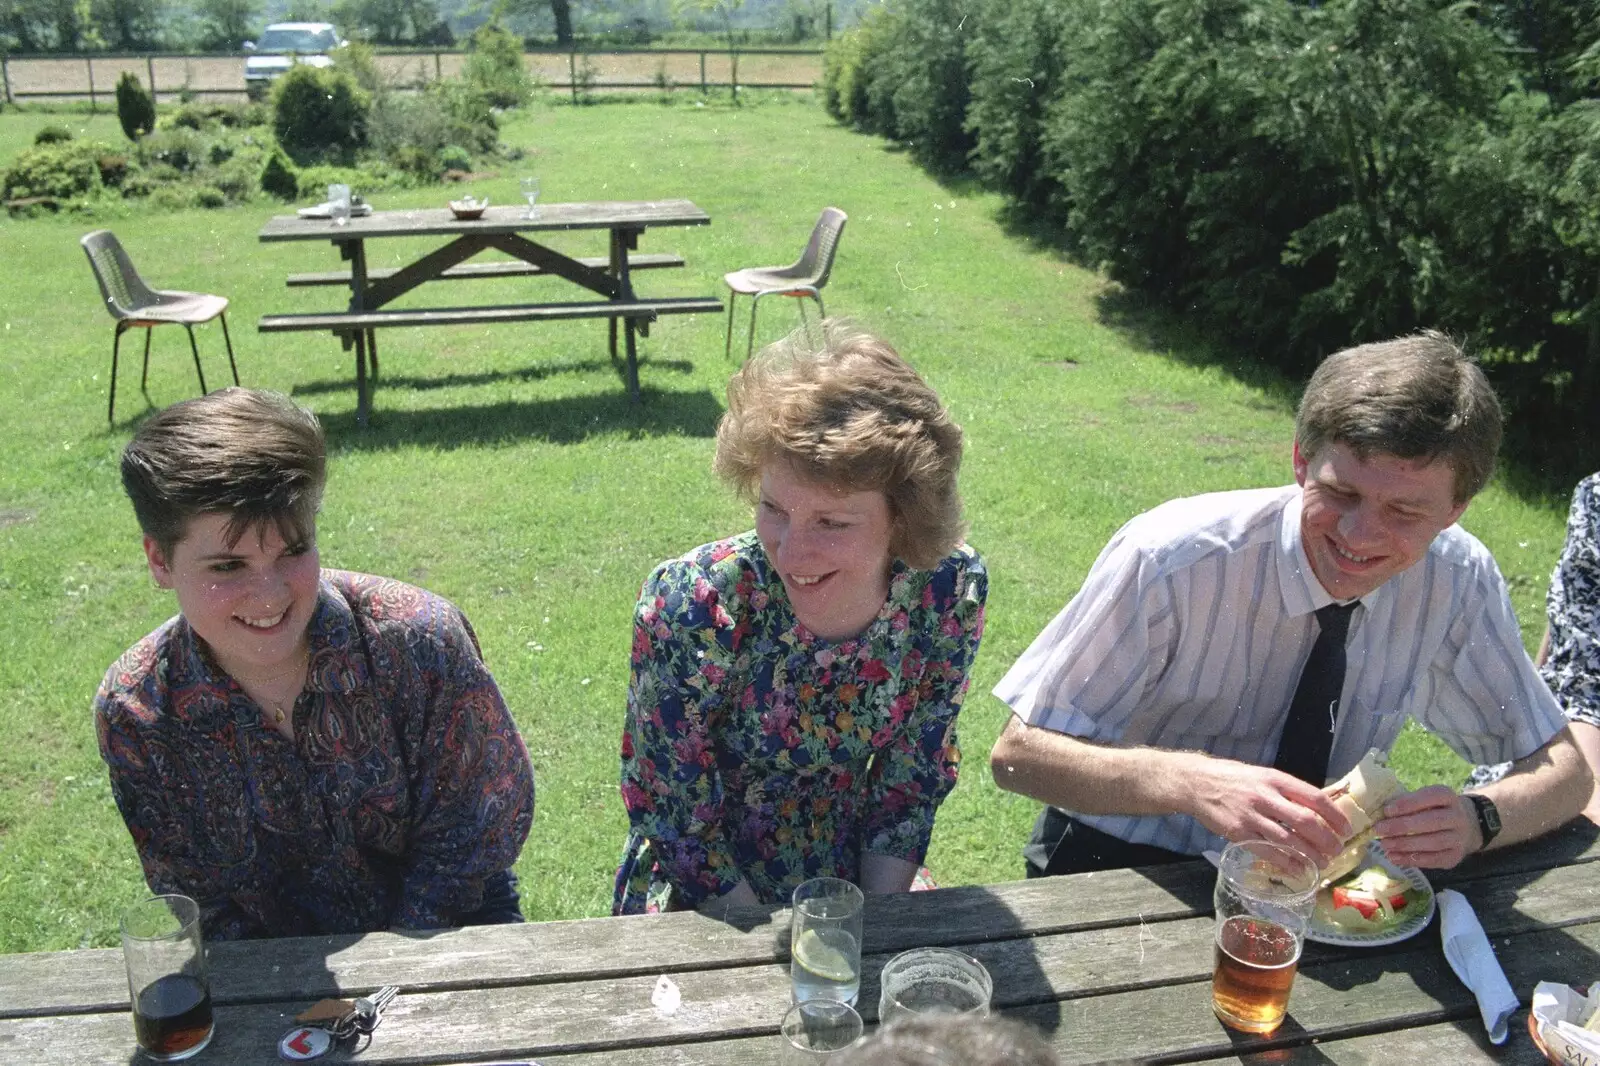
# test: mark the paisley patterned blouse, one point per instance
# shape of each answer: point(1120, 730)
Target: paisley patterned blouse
point(754, 749)
point(405, 789)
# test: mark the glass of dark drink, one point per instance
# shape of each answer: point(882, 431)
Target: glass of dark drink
point(167, 977)
point(1265, 893)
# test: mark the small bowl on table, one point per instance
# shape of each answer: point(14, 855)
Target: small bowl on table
point(468, 208)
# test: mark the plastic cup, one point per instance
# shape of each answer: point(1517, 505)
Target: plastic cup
point(933, 981)
point(1265, 893)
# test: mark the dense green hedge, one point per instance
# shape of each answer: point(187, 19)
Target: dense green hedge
point(1296, 178)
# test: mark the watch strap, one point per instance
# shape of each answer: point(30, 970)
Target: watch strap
point(1488, 816)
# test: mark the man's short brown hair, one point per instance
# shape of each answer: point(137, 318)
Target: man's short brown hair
point(1416, 397)
point(848, 411)
point(255, 456)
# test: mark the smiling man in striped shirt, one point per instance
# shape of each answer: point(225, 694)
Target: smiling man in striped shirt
point(1148, 715)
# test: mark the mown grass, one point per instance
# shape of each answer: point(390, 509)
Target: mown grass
point(506, 470)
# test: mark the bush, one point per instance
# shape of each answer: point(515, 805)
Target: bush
point(52, 135)
point(136, 108)
point(182, 149)
point(113, 168)
point(211, 197)
point(454, 157)
point(495, 69)
point(319, 114)
point(855, 66)
point(278, 178)
point(58, 171)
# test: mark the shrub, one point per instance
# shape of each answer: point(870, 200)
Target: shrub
point(454, 157)
point(209, 196)
point(113, 168)
point(52, 135)
point(278, 178)
point(136, 108)
point(359, 61)
point(927, 69)
point(495, 68)
point(58, 171)
point(319, 113)
point(182, 149)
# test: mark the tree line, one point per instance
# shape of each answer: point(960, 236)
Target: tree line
point(1291, 177)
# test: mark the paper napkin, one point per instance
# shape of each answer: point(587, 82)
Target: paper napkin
point(1470, 956)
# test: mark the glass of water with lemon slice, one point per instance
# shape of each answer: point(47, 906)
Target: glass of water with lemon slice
point(825, 941)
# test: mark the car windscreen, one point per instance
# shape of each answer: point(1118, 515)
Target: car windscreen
point(305, 41)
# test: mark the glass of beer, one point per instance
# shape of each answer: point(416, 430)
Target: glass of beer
point(167, 977)
point(1264, 897)
point(825, 941)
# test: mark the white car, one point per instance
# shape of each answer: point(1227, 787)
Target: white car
point(284, 44)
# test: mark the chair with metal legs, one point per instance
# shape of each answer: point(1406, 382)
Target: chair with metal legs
point(135, 305)
point(803, 278)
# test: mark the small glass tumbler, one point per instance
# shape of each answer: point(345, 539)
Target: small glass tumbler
point(825, 941)
point(817, 1031)
point(933, 981)
point(339, 204)
point(530, 193)
point(167, 982)
point(1264, 897)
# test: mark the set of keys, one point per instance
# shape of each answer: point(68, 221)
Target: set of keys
point(330, 1021)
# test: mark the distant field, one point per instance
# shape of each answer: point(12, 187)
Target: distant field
point(223, 76)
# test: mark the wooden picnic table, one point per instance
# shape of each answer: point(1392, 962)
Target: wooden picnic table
point(502, 229)
point(1114, 966)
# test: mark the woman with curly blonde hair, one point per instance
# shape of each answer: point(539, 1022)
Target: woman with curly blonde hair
point(794, 691)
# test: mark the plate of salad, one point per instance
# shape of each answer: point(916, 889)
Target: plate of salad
point(1380, 903)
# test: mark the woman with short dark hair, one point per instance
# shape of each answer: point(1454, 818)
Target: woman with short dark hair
point(301, 750)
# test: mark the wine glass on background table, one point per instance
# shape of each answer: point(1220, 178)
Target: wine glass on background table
point(339, 204)
point(530, 193)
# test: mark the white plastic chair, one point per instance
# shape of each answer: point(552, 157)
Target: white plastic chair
point(803, 278)
point(134, 304)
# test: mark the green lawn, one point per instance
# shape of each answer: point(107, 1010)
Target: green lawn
point(506, 470)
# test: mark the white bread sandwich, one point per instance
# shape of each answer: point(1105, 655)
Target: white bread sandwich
point(1360, 796)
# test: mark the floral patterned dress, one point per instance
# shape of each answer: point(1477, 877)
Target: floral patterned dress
point(755, 750)
point(1573, 611)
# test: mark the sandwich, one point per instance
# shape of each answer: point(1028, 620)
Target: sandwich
point(1360, 796)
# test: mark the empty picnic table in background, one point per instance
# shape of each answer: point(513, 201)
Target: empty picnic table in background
point(1112, 966)
point(502, 229)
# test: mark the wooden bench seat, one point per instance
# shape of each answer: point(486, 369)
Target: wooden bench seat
point(511, 268)
point(350, 321)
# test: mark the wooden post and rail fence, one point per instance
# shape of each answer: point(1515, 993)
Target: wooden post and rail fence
point(170, 75)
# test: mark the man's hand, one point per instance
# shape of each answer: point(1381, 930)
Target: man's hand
point(1239, 801)
point(1434, 828)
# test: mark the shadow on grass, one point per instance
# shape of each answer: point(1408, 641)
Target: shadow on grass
point(539, 372)
point(558, 421)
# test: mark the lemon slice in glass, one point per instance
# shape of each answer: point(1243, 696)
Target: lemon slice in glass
point(825, 960)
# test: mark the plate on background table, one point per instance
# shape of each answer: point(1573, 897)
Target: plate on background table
point(1413, 923)
point(326, 211)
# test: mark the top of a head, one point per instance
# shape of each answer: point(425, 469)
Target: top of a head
point(1416, 397)
point(248, 453)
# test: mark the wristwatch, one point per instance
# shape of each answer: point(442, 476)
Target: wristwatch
point(1488, 816)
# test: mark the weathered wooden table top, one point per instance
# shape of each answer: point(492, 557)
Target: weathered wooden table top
point(619, 214)
point(1114, 966)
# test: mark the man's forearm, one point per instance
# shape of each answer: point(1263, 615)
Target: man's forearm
point(1082, 776)
point(1543, 791)
point(1588, 740)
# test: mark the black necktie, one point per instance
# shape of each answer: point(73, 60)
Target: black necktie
point(1308, 734)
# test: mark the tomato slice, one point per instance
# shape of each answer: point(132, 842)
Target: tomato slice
point(1365, 902)
point(1345, 897)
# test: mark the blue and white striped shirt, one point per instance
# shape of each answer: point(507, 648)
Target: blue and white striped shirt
point(1191, 630)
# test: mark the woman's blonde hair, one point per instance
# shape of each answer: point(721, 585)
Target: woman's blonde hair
point(847, 411)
